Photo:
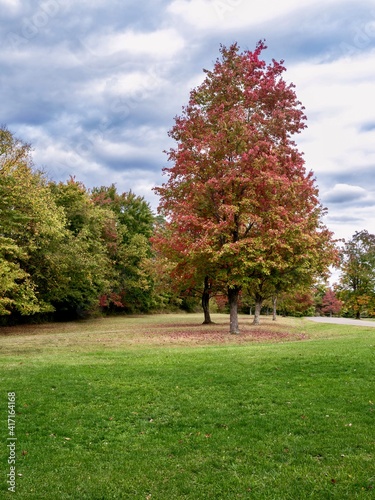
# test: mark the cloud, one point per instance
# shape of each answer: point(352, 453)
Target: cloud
point(367, 127)
point(345, 193)
point(10, 7)
point(236, 14)
point(159, 44)
point(336, 96)
point(94, 86)
point(350, 209)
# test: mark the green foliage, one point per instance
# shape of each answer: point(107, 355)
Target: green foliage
point(297, 304)
point(29, 223)
point(83, 258)
point(16, 289)
point(132, 211)
point(64, 250)
point(133, 284)
point(356, 287)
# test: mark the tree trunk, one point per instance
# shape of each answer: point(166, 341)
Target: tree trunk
point(258, 307)
point(233, 294)
point(206, 301)
point(274, 303)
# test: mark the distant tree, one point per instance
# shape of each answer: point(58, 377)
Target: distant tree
point(356, 287)
point(133, 287)
point(330, 303)
point(238, 199)
point(84, 270)
point(132, 211)
point(300, 303)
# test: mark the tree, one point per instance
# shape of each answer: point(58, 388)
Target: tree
point(30, 226)
point(357, 281)
point(330, 303)
point(190, 277)
point(299, 303)
point(133, 285)
point(82, 266)
point(238, 199)
point(16, 289)
point(132, 210)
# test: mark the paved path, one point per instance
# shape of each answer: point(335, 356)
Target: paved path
point(341, 321)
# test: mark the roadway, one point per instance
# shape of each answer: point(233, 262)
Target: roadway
point(341, 321)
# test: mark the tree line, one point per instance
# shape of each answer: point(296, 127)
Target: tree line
point(240, 224)
point(66, 251)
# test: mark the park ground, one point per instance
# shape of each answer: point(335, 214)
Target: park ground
point(162, 407)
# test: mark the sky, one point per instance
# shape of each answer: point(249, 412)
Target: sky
point(95, 85)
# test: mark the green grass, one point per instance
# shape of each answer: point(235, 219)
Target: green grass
point(159, 408)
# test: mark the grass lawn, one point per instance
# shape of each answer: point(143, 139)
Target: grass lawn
point(160, 408)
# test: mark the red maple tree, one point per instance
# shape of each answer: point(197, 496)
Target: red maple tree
point(330, 303)
point(238, 200)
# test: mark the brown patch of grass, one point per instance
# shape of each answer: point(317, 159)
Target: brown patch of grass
point(188, 334)
point(148, 330)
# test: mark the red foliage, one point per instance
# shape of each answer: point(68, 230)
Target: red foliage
point(111, 299)
point(216, 334)
point(238, 202)
point(330, 303)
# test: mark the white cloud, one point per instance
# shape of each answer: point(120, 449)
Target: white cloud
point(346, 193)
point(140, 182)
point(118, 150)
point(236, 14)
point(346, 222)
point(159, 44)
point(336, 96)
point(136, 84)
point(352, 209)
point(119, 93)
point(12, 6)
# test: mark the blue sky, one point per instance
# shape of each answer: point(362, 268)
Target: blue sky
point(94, 86)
